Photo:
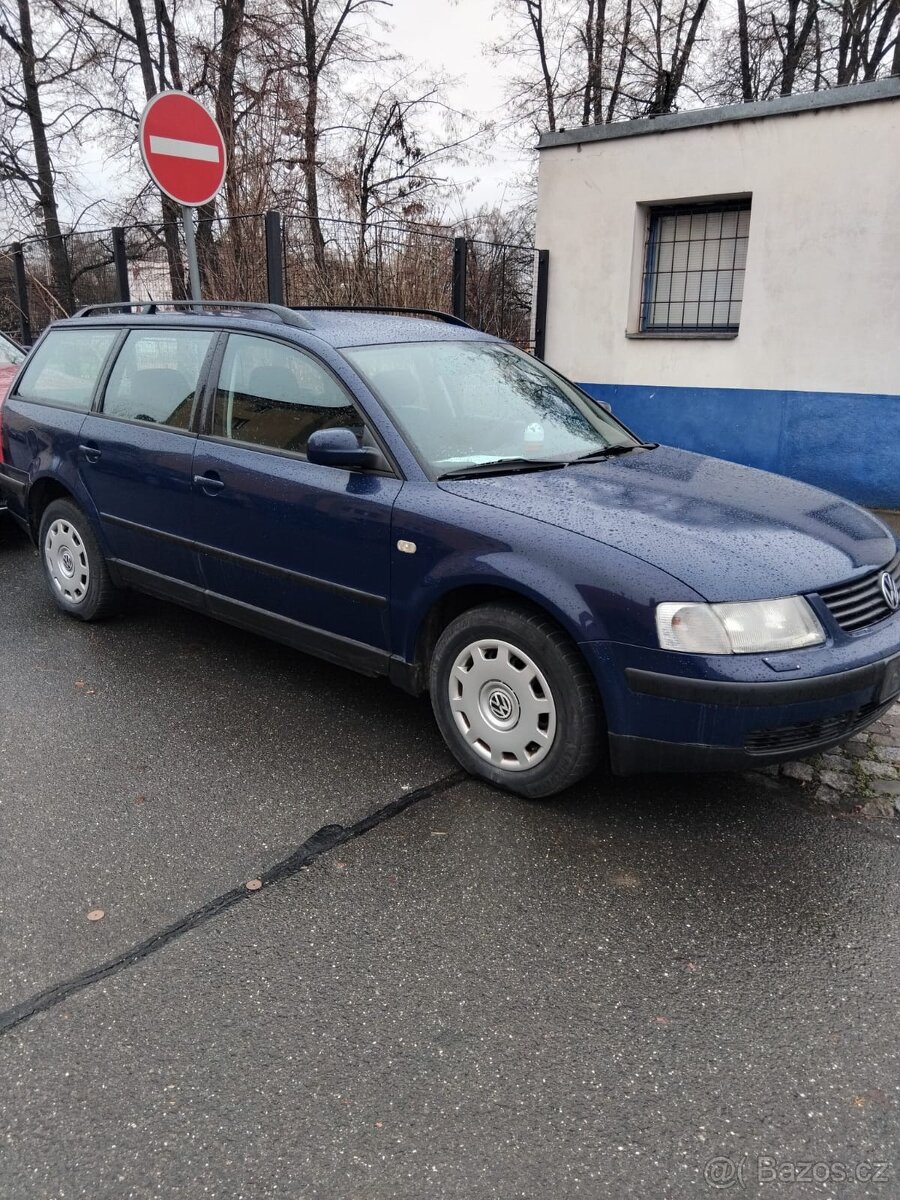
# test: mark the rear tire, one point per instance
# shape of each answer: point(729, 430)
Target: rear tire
point(73, 563)
point(514, 700)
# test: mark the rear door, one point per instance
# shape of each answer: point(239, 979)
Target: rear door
point(136, 454)
point(288, 546)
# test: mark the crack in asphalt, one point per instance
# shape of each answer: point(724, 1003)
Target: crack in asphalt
point(328, 838)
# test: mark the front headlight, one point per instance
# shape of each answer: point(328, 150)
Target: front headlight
point(748, 627)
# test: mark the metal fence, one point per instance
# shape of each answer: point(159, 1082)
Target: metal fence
point(496, 287)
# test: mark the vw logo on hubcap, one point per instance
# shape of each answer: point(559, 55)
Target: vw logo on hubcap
point(500, 705)
point(68, 563)
point(890, 591)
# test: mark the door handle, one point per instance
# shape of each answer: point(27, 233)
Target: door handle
point(91, 453)
point(211, 484)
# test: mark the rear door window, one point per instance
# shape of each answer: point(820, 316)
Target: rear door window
point(156, 376)
point(273, 396)
point(63, 370)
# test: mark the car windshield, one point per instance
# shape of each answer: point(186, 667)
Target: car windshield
point(10, 354)
point(467, 404)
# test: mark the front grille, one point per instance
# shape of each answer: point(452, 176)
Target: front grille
point(812, 733)
point(860, 603)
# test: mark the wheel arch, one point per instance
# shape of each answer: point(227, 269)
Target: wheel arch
point(486, 749)
point(456, 600)
point(41, 494)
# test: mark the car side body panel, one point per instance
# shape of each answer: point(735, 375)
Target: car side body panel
point(458, 544)
point(307, 542)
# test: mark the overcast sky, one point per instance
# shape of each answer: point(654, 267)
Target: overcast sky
point(449, 35)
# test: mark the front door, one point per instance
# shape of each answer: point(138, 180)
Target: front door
point(295, 549)
point(136, 456)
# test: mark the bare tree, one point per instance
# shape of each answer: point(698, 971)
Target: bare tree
point(792, 29)
point(218, 75)
point(125, 45)
point(868, 33)
point(535, 13)
point(312, 41)
point(583, 61)
point(615, 91)
point(32, 74)
point(663, 46)
point(606, 38)
point(778, 47)
point(393, 163)
point(743, 39)
point(537, 41)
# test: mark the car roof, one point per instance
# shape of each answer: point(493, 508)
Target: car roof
point(335, 327)
point(365, 329)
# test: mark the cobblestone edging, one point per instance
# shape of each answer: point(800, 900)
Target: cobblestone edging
point(860, 776)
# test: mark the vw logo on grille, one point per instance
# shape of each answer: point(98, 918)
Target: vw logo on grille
point(890, 591)
point(500, 705)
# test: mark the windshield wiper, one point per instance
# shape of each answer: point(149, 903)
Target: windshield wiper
point(505, 466)
point(509, 466)
point(611, 451)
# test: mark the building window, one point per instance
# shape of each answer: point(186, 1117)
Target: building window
point(694, 268)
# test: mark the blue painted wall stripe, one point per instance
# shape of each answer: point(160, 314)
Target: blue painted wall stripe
point(848, 442)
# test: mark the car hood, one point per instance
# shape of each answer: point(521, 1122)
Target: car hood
point(729, 532)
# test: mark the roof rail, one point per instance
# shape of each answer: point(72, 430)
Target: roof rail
point(287, 316)
point(447, 318)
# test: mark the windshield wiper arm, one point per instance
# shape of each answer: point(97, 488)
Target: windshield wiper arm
point(509, 466)
point(505, 466)
point(611, 451)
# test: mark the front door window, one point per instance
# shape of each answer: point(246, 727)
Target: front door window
point(274, 397)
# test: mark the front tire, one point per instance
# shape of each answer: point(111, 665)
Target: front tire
point(514, 700)
point(74, 566)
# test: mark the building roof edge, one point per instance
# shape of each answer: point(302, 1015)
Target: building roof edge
point(857, 93)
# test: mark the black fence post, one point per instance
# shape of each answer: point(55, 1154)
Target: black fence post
point(540, 303)
point(120, 260)
point(458, 294)
point(274, 258)
point(18, 256)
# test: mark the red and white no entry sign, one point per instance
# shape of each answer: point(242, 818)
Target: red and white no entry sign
point(182, 148)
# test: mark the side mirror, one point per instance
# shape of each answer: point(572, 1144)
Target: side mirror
point(341, 448)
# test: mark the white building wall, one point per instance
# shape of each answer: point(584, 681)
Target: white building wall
point(821, 308)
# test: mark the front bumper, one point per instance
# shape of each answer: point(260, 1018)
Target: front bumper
point(676, 712)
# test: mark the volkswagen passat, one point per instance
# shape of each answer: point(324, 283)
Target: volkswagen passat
point(412, 498)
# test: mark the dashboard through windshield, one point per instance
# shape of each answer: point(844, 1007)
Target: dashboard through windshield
point(463, 404)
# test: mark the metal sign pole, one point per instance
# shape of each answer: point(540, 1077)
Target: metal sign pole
point(190, 245)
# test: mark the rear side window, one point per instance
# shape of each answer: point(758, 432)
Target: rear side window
point(64, 368)
point(274, 396)
point(156, 376)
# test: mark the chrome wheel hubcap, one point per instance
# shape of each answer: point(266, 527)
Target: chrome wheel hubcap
point(67, 561)
point(502, 704)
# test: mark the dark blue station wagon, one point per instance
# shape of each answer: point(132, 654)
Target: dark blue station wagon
point(411, 498)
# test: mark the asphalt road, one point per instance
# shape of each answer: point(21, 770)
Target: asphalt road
point(440, 991)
